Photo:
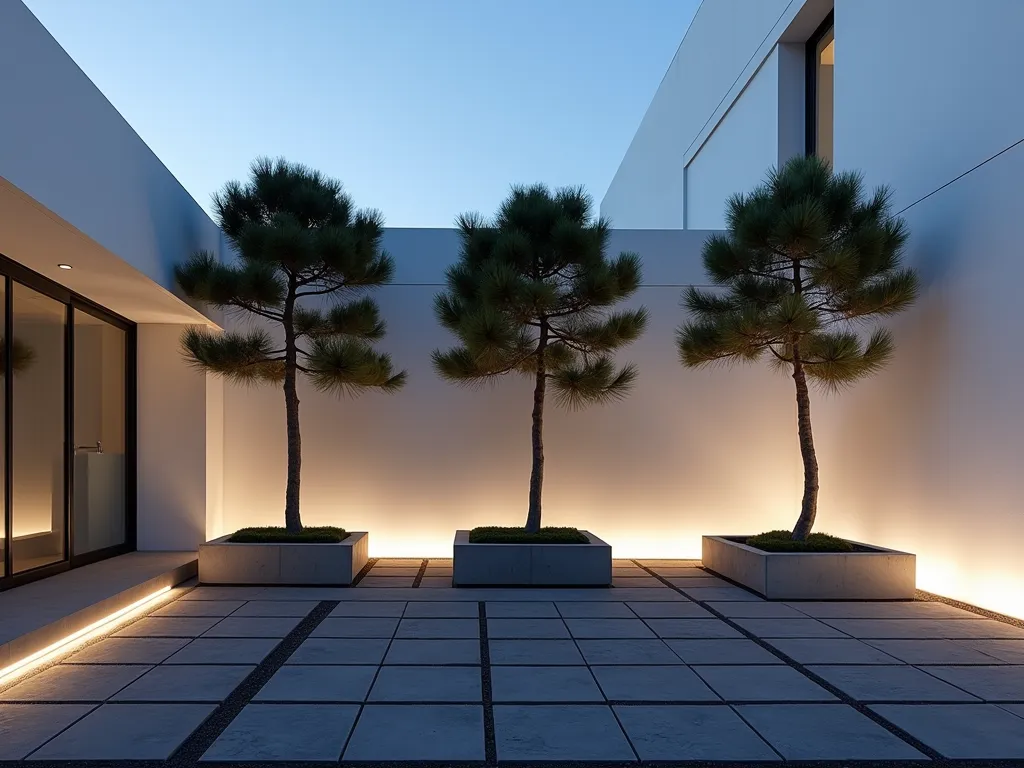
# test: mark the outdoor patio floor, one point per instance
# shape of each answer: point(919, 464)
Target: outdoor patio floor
point(671, 665)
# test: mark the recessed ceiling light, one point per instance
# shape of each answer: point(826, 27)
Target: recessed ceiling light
point(64, 266)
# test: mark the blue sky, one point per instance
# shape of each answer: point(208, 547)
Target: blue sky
point(423, 108)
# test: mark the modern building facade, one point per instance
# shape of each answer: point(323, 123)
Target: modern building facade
point(111, 442)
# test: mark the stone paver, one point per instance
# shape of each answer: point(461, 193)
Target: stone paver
point(521, 610)
point(1009, 651)
point(23, 727)
point(965, 731)
point(534, 629)
point(1002, 683)
point(340, 650)
point(764, 610)
point(883, 610)
point(608, 628)
point(442, 610)
point(559, 732)
point(534, 652)
point(205, 608)
point(713, 594)
point(225, 650)
point(418, 732)
point(168, 626)
point(693, 628)
point(286, 732)
point(318, 683)
point(436, 582)
point(675, 610)
point(438, 629)
point(933, 651)
point(768, 628)
point(889, 683)
point(652, 683)
point(276, 608)
point(680, 732)
point(427, 684)
point(544, 684)
point(126, 732)
point(825, 732)
point(831, 651)
point(594, 610)
point(433, 652)
point(386, 582)
point(204, 683)
point(722, 652)
point(253, 627)
point(368, 609)
point(599, 652)
point(356, 627)
point(75, 683)
point(688, 582)
point(129, 650)
point(765, 683)
point(926, 628)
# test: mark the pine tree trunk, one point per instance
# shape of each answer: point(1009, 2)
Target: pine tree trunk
point(292, 520)
point(537, 473)
point(809, 504)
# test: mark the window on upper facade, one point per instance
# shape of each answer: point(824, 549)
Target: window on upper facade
point(820, 65)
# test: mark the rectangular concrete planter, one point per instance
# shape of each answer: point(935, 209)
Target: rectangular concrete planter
point(872, 573)
point(532, 565)
point(224, 562)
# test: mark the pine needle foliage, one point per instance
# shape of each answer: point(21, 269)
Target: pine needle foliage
point(531, 295)
point(306, 258)
point(808, 262)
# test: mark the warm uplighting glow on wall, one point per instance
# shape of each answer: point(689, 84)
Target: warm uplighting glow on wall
point(75, 639)
point(993, 589)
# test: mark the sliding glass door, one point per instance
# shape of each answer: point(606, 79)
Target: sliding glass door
point(67, 397)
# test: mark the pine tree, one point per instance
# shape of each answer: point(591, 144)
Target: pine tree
point(529, 296)
point(807, 261)
point(298, 239)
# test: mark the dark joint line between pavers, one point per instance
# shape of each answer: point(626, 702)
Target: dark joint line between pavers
point(365, 570)
point(419, 574)
point(844, 697)
point(486, 691)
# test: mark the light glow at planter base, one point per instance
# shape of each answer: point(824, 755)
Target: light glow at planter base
point(97, 628)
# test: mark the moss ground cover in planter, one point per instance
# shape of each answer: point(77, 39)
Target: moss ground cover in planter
point(783, 541)
point(499, 535)
point(277, 535)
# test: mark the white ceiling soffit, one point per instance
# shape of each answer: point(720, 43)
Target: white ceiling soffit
point(34, 236)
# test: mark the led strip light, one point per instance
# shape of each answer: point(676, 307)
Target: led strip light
point(97, 628)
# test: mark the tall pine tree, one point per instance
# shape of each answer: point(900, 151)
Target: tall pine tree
point(299, 239)
point(530, 296)
point(807, 261)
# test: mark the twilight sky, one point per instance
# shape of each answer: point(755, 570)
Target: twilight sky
point(423, 108)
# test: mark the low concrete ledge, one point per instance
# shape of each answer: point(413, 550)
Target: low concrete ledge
point(534, 565)
point(337, 564)
point(37, 615)
point(872, 573)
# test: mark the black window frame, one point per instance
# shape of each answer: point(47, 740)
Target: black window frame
point(11, 272)
point(811, 83)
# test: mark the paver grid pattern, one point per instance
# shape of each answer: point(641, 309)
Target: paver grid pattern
point(672, 664)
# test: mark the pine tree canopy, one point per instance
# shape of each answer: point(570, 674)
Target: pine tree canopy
point(531, 291)
point(807, 261)
point(298, 238)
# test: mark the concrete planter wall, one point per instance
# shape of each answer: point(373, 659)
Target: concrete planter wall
point(871, 574)
point(224, 562)
point(534, 565)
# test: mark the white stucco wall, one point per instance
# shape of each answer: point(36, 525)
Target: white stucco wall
point(649, 474)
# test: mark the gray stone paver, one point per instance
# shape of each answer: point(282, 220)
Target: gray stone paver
point(608, 628)
point(128, 650)
point(769, 628)
point(883, 610)
point(544, 684)
point(926, 628)
point(693, 628)
point(526, 628)
point(933, 652)
point(436, 582)
point(681, 732)
point(755, 610)
point(831, 651)
point(386, 582)
point(1009, 651)
point(23, 727)
point(965, 731)
point(340, 650)
point(722, 652)
point(126, 732)
point(276, 608)
point(519, 651)
point(437, 629)
point(652, 683)
point(889, 683)
point(386, 732)
point(522, 610)
point(440, 610)
point(427, 684)
point(168, 626)
point(225, 650)
point(356, 627)
point(1000, 683)
point(825, 732)
point(75, 683)
point(559, 732)
point(675, 610)
point(597, 652)
point(393, 609)
point(286, 732)
point(341, 684)
point(764, 683)
point(595, 610)
point(689, 582)
point(253, 627)
point(205, 608)
point(725, 594)
point(433, 652)
point(205, 683)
